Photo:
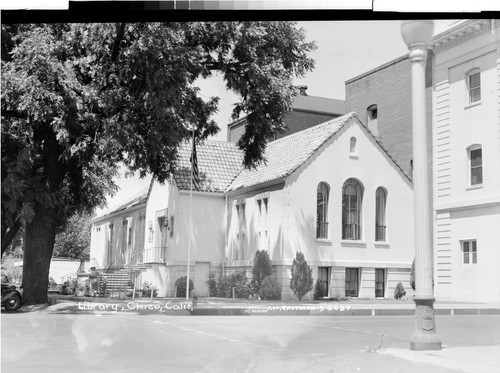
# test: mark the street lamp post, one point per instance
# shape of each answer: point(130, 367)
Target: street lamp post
point(417, 35)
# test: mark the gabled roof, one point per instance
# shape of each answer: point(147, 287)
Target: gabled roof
point(285, 155)
point(318, 104)
point(218, 163)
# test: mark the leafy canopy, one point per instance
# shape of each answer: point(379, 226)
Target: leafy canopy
point(78, 99)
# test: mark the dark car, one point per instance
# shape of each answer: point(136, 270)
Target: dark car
point(11, 297)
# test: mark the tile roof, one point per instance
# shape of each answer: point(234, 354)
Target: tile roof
point(218, 163)
point(319, 104)
point(286, 154)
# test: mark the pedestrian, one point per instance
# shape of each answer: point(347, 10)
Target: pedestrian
point(94, 281)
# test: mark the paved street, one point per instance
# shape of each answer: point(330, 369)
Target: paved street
point(122, 342)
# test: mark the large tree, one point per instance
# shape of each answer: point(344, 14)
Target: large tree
point(78, 99)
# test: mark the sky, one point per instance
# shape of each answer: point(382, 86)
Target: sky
point(345, 49)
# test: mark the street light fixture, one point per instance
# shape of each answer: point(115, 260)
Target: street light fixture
point(417, 35)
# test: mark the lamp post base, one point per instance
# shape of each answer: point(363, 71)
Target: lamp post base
point(424, 337)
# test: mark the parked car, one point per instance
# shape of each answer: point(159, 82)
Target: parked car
point(11, 296)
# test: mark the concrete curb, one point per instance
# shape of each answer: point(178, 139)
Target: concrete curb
point(177, 307)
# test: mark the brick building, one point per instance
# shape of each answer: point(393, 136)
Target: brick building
point(382, 99)
point(307, 111)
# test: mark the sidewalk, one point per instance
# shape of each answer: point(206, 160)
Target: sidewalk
point(241, 307)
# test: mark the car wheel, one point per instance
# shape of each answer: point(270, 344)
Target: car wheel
point(13, 303)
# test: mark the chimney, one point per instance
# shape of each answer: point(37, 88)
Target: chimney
point(302, 90)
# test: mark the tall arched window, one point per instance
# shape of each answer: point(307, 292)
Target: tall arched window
point(352, 196)
point(322, 210)
point(380, 223)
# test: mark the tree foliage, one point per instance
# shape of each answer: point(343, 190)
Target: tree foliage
point(261, 269)
point(302, 281)
point(79, 99)
point(74, 241)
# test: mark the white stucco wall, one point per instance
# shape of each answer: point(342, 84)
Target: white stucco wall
point(334, 164)
point(121, 250)
point(292, 218)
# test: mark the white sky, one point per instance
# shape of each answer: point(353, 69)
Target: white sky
point(345, 49)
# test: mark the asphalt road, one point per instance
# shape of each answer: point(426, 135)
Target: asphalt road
point(127, 342)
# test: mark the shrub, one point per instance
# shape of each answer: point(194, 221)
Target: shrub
point(301, 282)
point(399, 291)
point(412, 275)
point(147, 287)
point(270, 289)
point(223, 289)
point(212, 285)
point(180, 284)
point(260, 270)
point(237, 280)
point(318, 290)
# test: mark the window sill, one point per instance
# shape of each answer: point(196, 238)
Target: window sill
point(382, 244)
point(474, 104)
point(324, 241)
point(353, 156)
point(353, 243)
point(473, 187)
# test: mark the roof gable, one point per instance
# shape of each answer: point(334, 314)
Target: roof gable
point(218, 163)
point(285, 155)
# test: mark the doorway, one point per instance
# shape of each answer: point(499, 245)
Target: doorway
point(201, 272)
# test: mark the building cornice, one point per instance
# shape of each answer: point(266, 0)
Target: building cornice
point(463, 32)
point(468, 205)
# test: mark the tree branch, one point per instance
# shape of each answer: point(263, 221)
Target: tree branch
point(9, 236)
point(120, 31)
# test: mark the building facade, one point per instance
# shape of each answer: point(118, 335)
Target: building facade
point(466, 131)
point(318, 194)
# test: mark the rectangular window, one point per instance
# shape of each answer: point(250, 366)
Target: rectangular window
point(171, 226)
point(262, 205)
point(240, 210)
point(379, 283)
point(476, 166)
point(474, 87)
point(469, 249)
point(351, 282)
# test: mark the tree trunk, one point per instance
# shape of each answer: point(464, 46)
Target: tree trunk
point(39, 240)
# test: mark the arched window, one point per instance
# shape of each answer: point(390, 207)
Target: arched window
point(352, 196)
point(322, 210)
point(371, 119)
point(353, 144)
point(380, 223)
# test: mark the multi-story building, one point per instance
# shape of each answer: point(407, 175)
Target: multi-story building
point(466, 158)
